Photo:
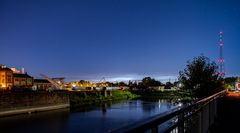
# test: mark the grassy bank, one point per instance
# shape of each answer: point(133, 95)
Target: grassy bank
point(169, 95)
point(87, 98)
point(97, 98)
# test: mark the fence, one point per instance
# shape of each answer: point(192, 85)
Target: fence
point(196, 117)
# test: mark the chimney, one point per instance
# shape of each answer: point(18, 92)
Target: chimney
point(22, 70)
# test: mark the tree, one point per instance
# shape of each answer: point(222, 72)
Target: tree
point(122, 84)
point(149, 82)
point(176, 83)
point(84, 83)
point(230, 82)
point(109, 83)
point(132, 85)
point(200, 77)
point(168, 85)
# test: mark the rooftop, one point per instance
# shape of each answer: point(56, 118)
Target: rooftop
point(21, 75)
point(5, 69)
point(41, 81)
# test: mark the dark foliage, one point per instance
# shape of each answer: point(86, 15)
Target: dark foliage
point(149, 82)
point(230, 80)
point(200, 77)
point(168, 85)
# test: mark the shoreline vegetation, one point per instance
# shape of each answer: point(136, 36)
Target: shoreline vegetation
point(88, 98)
point(96, 98)
point(178, 95)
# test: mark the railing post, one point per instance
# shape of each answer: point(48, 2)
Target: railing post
point(181, 123)
point(200, 121)
point(215, 107)
point(211, 112)
point(205, 118)
point(154, 129)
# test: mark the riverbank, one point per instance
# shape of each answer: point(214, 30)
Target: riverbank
point(97, 98)
point(93, 98)
point(29, 110)
point(13, 103)
point(181, 96)
point(28, 102)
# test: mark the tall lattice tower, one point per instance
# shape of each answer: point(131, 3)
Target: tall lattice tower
point(221, 70)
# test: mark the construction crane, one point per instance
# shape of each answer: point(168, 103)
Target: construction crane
point(56, 85)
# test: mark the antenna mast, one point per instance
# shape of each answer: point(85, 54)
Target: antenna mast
point(221, 60)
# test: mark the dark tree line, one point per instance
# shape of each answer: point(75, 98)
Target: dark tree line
point(145, 83)
point(230, 80)
point(149, 82)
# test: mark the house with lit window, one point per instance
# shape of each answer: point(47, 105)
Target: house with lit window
point(6, 78)
point(13, 78)
point(41, 84)
point(21, 80)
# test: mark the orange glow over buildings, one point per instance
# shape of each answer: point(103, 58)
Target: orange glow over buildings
point(11, 77)
point(6, 78)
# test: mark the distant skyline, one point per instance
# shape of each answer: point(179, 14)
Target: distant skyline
point(117, 39)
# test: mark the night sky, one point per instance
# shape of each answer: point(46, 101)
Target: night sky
point(117, 39)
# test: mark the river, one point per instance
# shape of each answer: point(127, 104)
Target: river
point(92, 120)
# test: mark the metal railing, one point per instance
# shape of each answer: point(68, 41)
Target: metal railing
point(193, 118)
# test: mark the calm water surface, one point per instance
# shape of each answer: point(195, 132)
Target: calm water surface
point(94, 120)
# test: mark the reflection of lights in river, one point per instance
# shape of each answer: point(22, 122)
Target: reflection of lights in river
point(180, 104)
point(159, 104)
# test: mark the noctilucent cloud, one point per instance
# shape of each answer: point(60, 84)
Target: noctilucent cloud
point(117, 39)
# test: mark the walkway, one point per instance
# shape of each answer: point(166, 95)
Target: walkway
point(33, 109)
point(228, 114)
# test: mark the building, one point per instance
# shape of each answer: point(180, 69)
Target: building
point(22, 80)
point(41, 84)
point(6, 78)
point(15, 70)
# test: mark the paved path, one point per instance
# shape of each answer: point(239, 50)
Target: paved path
point(228, 120)
point(33, 109)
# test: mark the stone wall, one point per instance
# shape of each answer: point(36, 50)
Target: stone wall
point(23, 100)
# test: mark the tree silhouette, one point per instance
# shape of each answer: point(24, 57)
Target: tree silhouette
point(168, 85)
point(149, 82)
point(200, 77)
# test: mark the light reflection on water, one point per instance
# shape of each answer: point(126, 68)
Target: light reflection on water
point(98, 119)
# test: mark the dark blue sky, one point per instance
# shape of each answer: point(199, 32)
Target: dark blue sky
point(116, 39)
